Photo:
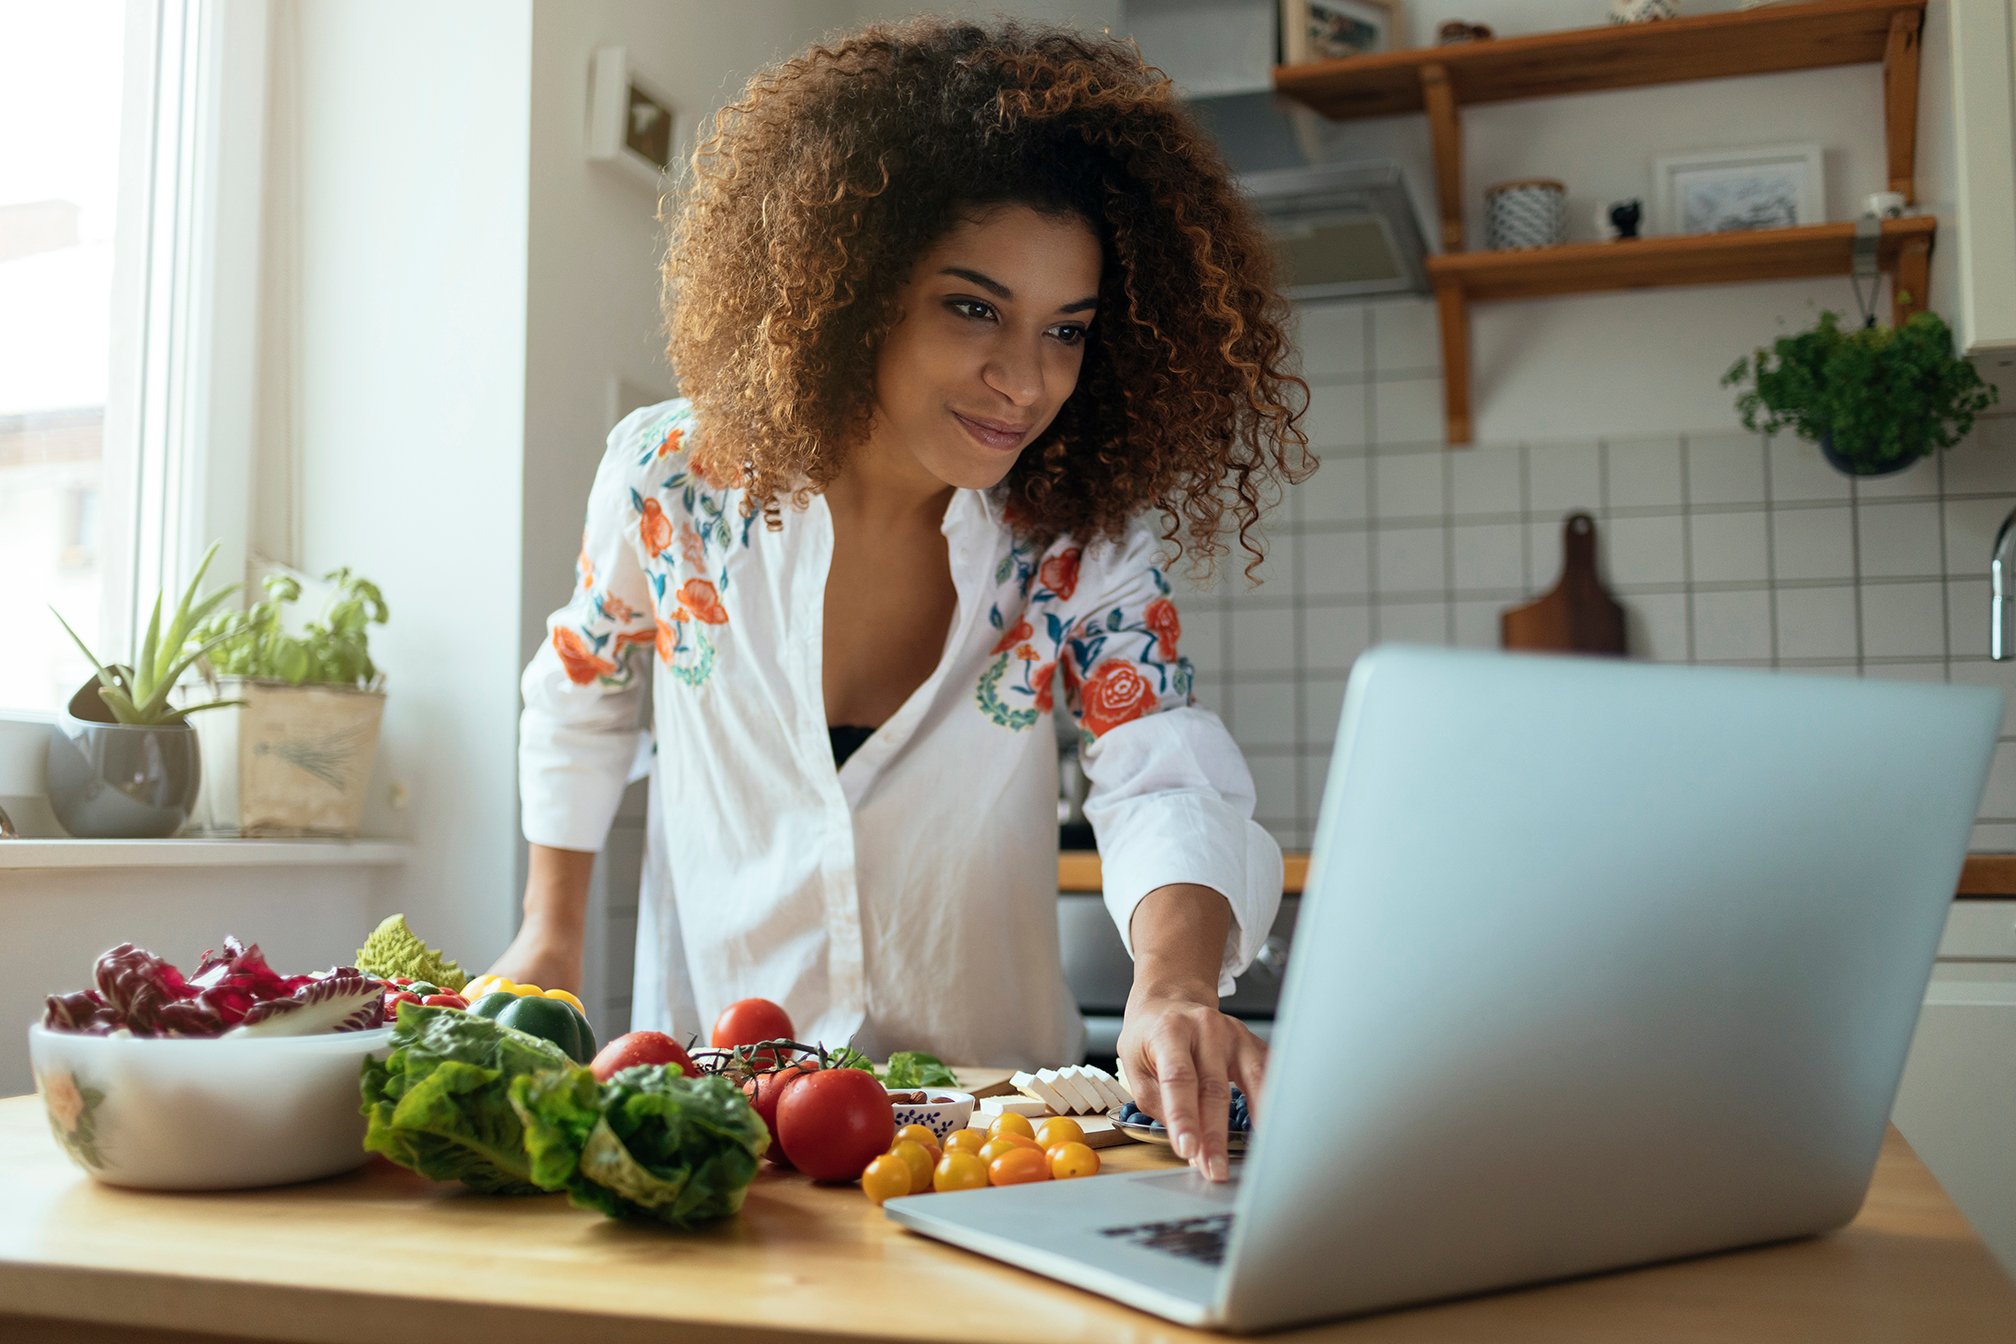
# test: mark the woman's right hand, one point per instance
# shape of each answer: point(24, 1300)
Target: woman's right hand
point(542, 957)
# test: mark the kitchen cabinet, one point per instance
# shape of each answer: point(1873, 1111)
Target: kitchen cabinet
point(1957, 1106)
point(1978, 64)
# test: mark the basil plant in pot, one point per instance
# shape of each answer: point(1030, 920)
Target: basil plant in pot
point(295, 758)
point(122, 762)
point(1875, 399)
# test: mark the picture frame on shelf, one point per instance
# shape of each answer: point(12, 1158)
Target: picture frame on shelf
point(1329, 30)
point(1730, 190)
point(633, 124)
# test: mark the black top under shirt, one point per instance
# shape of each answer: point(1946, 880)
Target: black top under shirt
point(846, 738)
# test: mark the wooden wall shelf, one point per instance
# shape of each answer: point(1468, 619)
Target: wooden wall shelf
point(1439, 81)
point(1772, 40)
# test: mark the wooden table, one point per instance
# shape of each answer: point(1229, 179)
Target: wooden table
point(383, 1254)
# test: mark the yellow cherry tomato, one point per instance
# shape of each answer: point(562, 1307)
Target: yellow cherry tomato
point(1019, 1166)
point(1072, 1159)
point(966, 1141)
point(922, 1135)
point(994, 1148)
point(1012, 1124)
point(1059, 1129)
point(915, 1156)
point(887, 1177)
point(958, 1171)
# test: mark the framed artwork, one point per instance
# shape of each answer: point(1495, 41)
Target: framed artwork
point(1329, 30)
point(632, 123)
point(1718, 191)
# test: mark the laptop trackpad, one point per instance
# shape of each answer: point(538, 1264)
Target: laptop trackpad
point(1224, 1192)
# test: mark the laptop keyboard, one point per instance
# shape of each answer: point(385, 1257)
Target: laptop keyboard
point(1201, 1238)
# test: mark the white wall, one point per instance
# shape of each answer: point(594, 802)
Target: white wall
point(400, 408)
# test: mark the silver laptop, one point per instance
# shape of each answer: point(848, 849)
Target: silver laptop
point(1599, 963)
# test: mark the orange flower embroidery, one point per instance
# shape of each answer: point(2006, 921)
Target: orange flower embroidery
point(582, 666)
point(667, 639)
point(1115, 693)
point(1161, 619)
point(690, 547)
point(703, 601)
point(670, 443)
point(1040, 683)
point(1027, 653)
point(1060, 573)
point(630, 637)
point(654, 529)
point(1014, 636)
point(616, 609)
point(584, 566)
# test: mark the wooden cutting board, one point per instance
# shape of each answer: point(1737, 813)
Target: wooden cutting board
point(1579, 615)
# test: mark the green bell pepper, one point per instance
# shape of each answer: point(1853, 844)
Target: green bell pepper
point(553, 1020)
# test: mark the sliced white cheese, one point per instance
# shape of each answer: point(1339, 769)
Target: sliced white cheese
point(1024, 1106)
point(1083, 1098)
point(1104, 1092)
point(1116, 1088)
point(1044, 1086)
point(1025, 1083)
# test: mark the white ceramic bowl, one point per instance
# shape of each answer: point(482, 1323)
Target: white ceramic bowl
point(174, 1113)
point(944, 1112)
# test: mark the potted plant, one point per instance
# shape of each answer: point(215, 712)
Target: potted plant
point(296, 758)
point(122, 761)
point(1875, 399)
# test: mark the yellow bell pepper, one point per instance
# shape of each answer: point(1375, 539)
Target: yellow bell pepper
point(497, 984)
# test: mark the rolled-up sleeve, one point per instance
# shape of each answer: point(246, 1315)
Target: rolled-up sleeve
point(1169, 796)
point(584, 688)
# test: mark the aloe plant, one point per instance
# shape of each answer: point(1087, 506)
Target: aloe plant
point(138, 695)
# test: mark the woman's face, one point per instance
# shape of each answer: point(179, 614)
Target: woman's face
point(992, 334)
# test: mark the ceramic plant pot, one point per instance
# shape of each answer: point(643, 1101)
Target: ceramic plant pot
point(292, 760)
point(1849, 467)
point(110, 780)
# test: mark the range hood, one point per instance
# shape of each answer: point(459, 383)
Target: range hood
point(1341, 228)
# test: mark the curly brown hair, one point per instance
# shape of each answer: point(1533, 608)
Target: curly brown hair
point(796, 224)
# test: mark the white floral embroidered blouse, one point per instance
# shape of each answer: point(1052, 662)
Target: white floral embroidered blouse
point(908, 899)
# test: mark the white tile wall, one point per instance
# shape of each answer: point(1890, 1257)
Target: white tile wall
point(1724, 548)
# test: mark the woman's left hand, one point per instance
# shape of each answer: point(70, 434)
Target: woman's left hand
point(1179, 1054)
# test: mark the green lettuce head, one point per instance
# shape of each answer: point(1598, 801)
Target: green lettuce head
point(393, 950)
point(440, 1102)
point(649, 1144)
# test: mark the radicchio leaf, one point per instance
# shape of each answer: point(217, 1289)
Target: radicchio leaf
point(343, 999)
point(138, 985)
point(85, 1011)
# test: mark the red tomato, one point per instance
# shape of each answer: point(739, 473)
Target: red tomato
point(765, 1090)
point(833, 1123)
point(750, 1022)
point(640, 1047)
point(445, 1001)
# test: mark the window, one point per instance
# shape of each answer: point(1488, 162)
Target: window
point(62, 90)
point(129, 193)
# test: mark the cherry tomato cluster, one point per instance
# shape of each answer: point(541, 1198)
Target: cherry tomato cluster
point(402, 989)
point(1011, 1152)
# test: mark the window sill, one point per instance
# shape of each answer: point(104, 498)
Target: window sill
point(202, 853)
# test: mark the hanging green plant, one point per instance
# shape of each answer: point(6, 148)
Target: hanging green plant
point(1875, 399)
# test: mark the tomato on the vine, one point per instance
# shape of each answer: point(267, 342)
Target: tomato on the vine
point(765, 1090)
point(834, 1122)
point(751, 1022)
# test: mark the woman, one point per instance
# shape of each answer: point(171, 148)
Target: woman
point(953, 307)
